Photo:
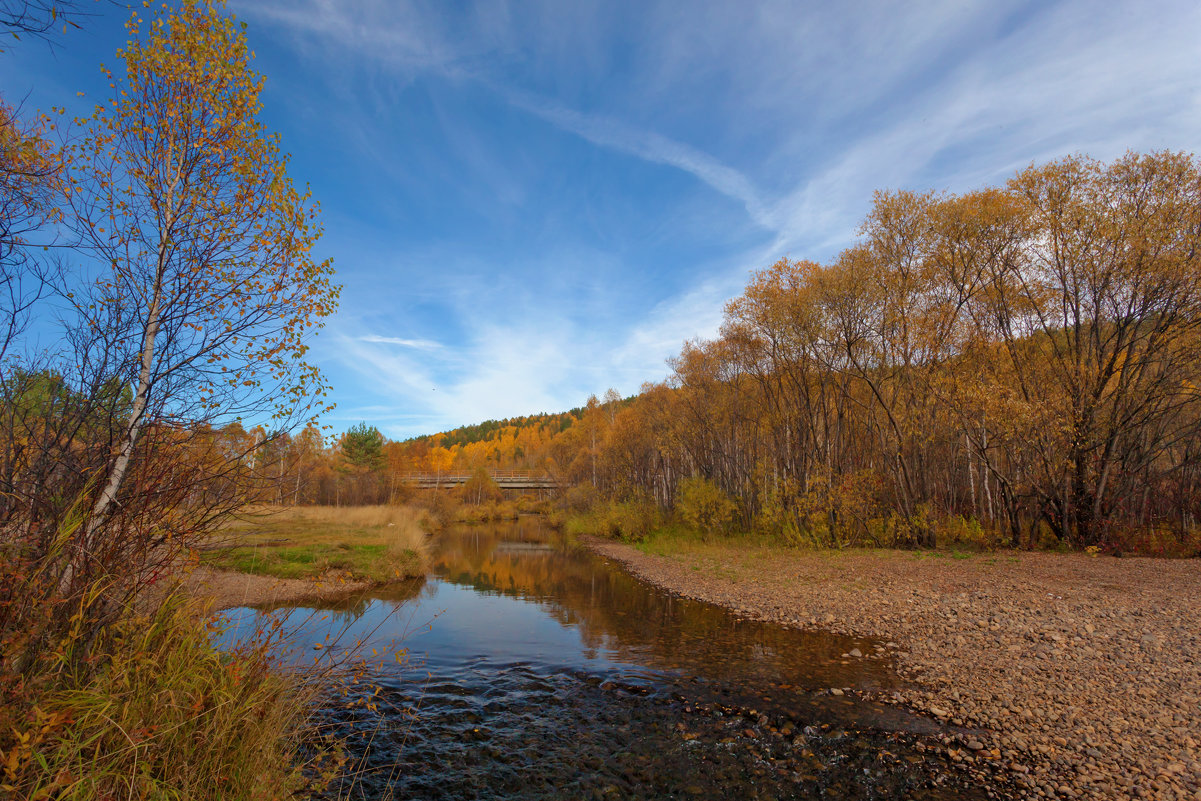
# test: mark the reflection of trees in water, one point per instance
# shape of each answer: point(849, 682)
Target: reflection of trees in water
point(331, 622)
point(615, 611)
point(346, 609)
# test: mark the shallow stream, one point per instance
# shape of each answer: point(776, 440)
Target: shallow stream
point(535, 669)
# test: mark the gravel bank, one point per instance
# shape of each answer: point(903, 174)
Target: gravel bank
point(1084, 673)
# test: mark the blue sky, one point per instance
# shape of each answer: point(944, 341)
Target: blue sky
point(530, 202)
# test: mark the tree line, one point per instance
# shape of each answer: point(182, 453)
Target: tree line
point(362, 466)
point(1023, 358)
point(1020, 360)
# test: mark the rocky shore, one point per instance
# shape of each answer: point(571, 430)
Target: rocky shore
point(1082, 674)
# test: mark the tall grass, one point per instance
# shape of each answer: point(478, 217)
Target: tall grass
point(159, 714)
point(405, 537)
point(102, 700)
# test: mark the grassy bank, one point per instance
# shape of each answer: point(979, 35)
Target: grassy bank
point(374, 544)
point(147, 707)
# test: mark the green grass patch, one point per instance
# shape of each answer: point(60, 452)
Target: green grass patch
point(675, 539)
point(361, 562)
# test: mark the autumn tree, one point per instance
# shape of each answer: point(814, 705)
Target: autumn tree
point(29, 169)
point(1100, 319)
point(591, 429)
point(398, 461)
point(440, 460)
point(200, 289)
point(1019, 361)
point(480, 487)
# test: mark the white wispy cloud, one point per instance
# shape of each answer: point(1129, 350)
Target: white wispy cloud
point(1050, 88)
point(511, 372)
point(649, 146)
point(420, 344)
point(396, 33)
point(529, 360)
point(796, 114)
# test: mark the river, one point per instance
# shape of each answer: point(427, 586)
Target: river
point(535, 669)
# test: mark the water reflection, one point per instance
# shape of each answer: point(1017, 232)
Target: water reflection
point(628, 621)
point(352, 606)
point(538, 670)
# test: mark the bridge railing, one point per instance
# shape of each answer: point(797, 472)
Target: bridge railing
point(501, 477)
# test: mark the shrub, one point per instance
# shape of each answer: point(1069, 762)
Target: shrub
point(826, 514)
point(529, 505)
point(481, 488)
point(701, 504)
point(1155, 541)
point(632, 520)
point(487, 512)
point(964, 531)
point(580, 498)
point(438, 509)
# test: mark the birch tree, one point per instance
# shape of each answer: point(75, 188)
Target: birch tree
point(203, 287)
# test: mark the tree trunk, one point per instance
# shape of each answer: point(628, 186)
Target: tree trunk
point(108, 496)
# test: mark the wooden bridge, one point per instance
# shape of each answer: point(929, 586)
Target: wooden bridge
point(512, 480)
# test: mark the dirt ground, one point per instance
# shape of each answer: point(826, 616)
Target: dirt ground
point(1083, 673)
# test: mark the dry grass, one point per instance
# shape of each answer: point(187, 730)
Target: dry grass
point(371, 543)
point(165, 715)
point(342, 516)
